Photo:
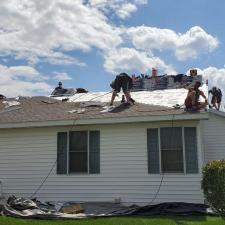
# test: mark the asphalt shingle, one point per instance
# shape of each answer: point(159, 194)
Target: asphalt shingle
point(35, 109)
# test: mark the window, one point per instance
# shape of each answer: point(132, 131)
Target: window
point(172, 150)
point(78, 152)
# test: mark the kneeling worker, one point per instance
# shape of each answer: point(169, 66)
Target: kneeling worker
point(216, 97)
point(122, 81)
point(192, 101)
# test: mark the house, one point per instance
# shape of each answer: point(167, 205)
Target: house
point(73, 150)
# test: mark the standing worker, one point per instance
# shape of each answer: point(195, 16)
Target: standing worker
point(192, 101)
point(125, 82)
point(216, 97)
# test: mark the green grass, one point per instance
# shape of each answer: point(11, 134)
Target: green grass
point(154, 220)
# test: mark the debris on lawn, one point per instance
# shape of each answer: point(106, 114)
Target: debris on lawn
point(27, 208)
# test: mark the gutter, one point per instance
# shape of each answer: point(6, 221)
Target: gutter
point(99, 121)
point(216, 112)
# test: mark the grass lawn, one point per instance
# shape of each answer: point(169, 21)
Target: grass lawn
point(154, 220)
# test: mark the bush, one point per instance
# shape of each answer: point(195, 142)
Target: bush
point(213, 184)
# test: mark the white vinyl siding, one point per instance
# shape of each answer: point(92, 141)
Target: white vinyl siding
point(27, 155)
point(214, 137)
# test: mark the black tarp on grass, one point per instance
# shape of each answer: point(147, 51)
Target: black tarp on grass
point(26, 208)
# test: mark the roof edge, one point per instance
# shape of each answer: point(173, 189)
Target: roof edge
point(136, 119)
point(216, 112)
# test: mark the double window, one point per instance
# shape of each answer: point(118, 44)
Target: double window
point(172, 150)
point(78, 152)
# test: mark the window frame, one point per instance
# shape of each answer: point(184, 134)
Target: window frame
point(88, 153)
point(183, 147)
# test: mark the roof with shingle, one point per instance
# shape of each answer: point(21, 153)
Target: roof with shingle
point(35, 109)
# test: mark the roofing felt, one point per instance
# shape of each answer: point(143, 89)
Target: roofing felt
point(167, 98)
point(35, 109)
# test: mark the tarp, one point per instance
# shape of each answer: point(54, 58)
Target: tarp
point(27, 208)
point(164, 82)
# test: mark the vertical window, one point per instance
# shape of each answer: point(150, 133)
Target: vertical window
point(171, 150)
point(78, 152)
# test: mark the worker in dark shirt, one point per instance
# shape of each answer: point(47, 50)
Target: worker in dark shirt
point(192, 101)
point(125, 82)
point(216, 97)
point(59, 86)
point(59, 90)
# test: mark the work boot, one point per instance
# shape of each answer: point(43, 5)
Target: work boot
point(132, 100)
point(123, 99)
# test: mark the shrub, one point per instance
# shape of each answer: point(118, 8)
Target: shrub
point(213, 184)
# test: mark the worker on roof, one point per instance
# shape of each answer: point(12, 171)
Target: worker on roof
point(216, 97)
point(59, 86)
point(192, 102)
point(125, 82)
point(59, 90)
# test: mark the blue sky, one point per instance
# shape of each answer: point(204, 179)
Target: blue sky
point(86, 43)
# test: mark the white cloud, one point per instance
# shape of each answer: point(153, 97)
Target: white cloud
point(215, 76)
point(129, 59)
point(47, 29)
point(126, 10)
point(22, 80)
point(187, 45)
point(62, 76)
point(141, 2)
point(122, 8)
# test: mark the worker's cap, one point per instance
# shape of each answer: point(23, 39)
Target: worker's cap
point(60, 83)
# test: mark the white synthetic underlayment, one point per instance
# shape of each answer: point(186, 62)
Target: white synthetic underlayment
point(10, 103)
point(168, 97)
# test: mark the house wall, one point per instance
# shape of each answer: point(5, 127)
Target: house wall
point(27, 155)
point(214, 137)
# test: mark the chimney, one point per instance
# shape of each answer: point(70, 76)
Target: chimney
point(154, 72)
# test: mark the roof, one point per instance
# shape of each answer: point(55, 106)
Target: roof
point(167, 97)
point(216, 112)
point(41, 111)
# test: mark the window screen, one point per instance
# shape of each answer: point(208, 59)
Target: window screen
point(78, 152)
point(171, 149)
